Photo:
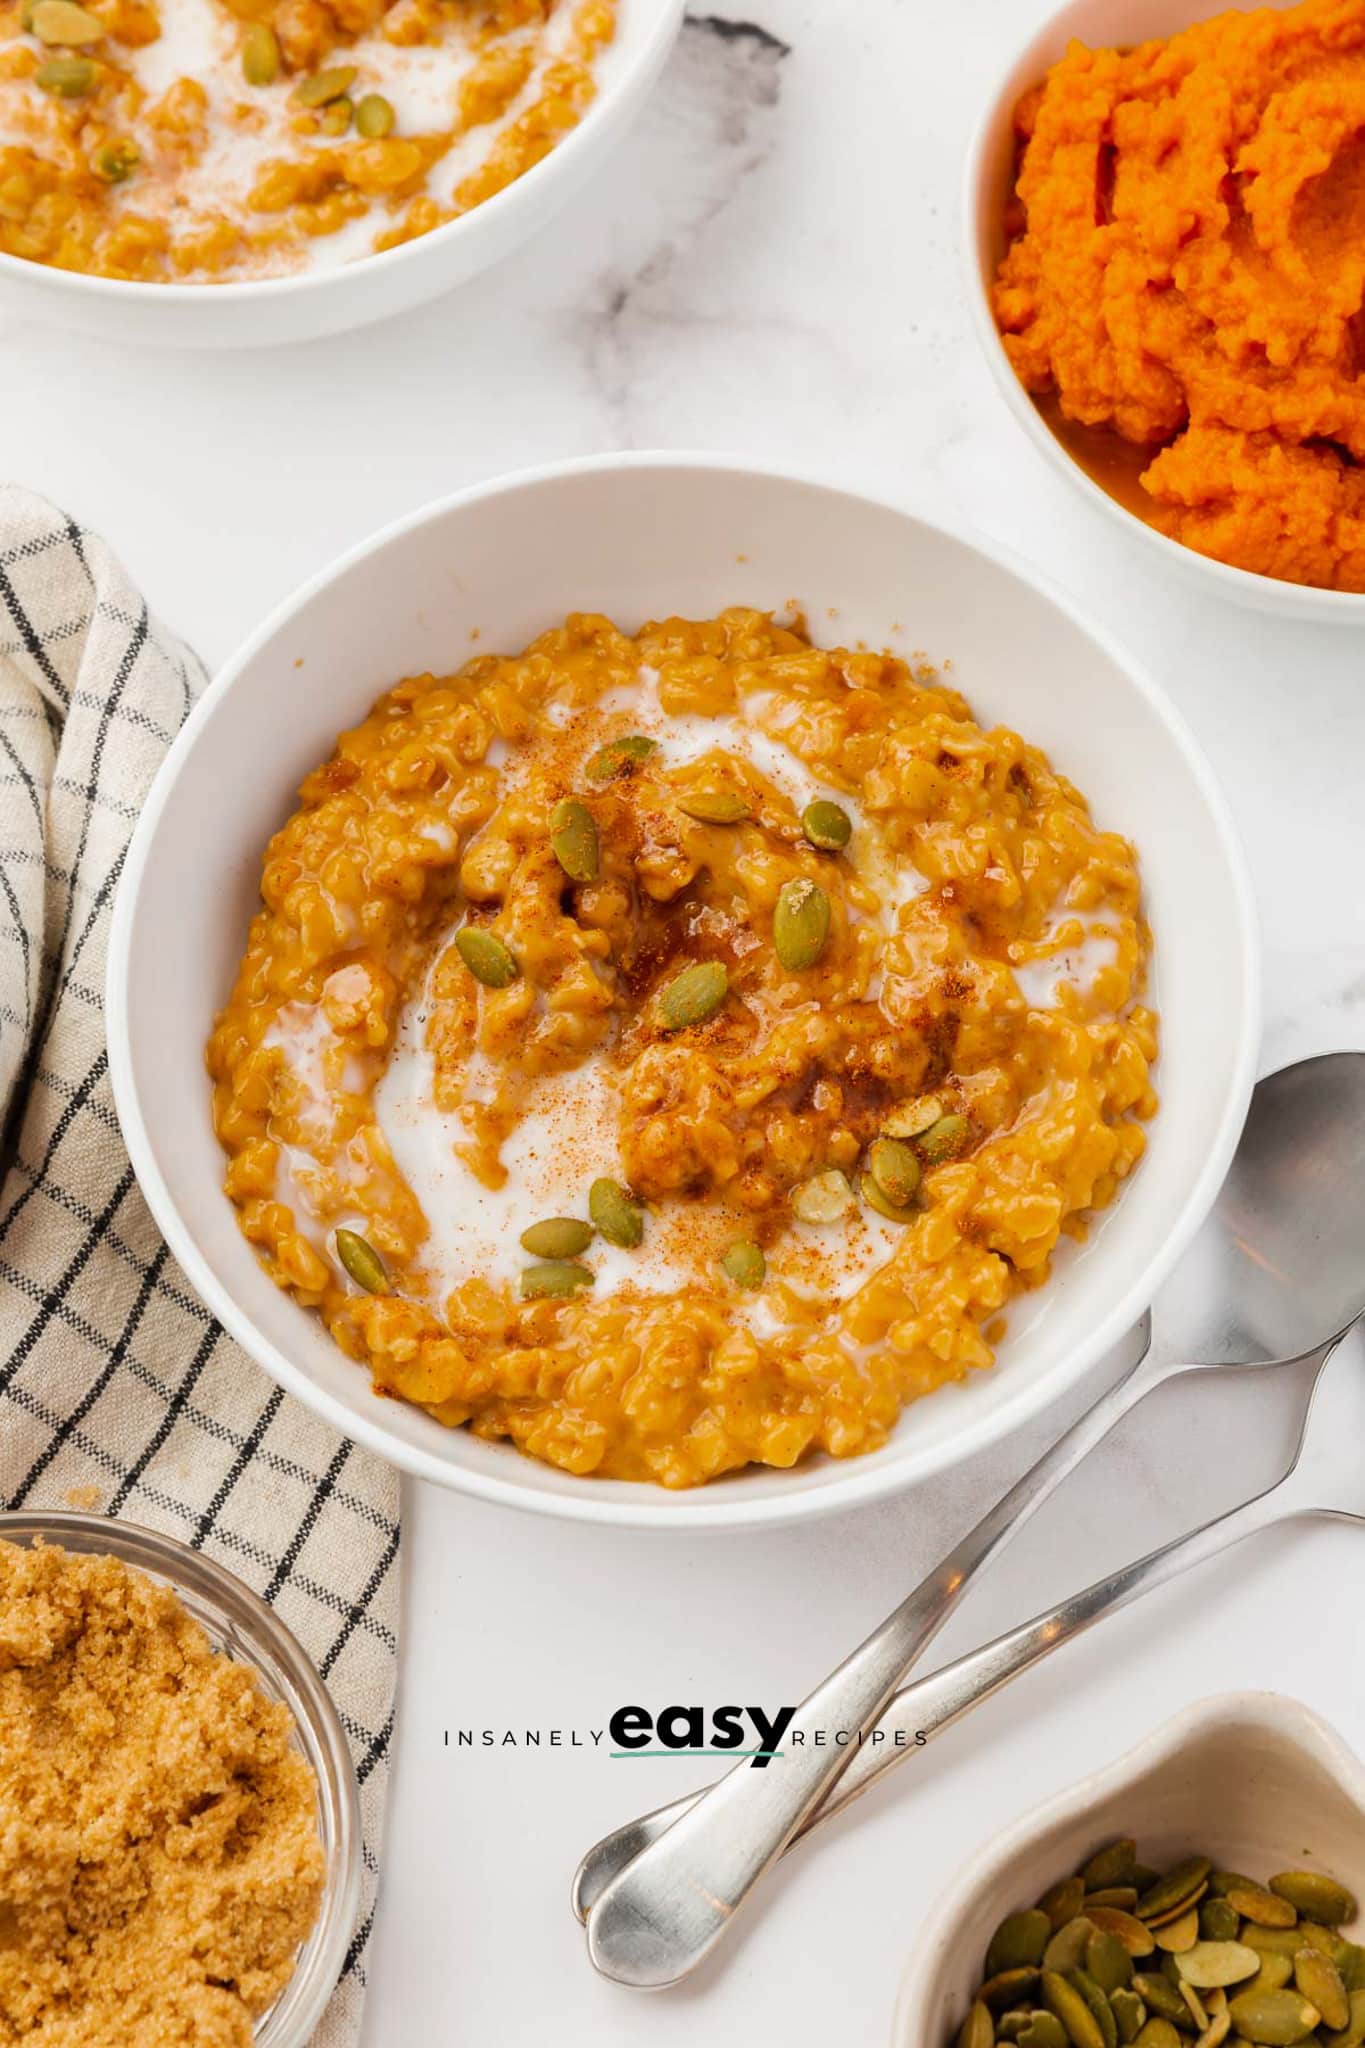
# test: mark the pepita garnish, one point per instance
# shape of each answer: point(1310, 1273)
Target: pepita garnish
point(116, 161)
point(573, 836)
point(486, 957)
point(325, 86)
point(260, 54)
point(360, 1259)
point(554, 1277)
point(558, 1237)
point(694, 995)
point(63, 22)
point(374, 116)
point(745, 1264)
point(715, 806)
point(621, 756)
point(1228, 1978)
point(823, 1199)
point(895, 1170)
point(827, 825)
point(876, 1199)
point(67, 78)
point(941, 1141)
point(911, 1120)
point(800, 924)
point(335, 117)
point(616, 1213)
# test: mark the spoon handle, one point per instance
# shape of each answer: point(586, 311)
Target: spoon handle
point(925, 1709)
point(656, 1919)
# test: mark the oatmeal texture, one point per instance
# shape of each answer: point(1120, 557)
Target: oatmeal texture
point(188, 141)
point(159, 1855)
point(1186, 270)
point(971, 868)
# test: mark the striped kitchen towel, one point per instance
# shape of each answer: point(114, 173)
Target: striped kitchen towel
point(118, 1390)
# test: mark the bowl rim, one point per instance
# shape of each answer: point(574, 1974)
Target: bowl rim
point(501, 206)
point(299, 2008)
point(1294, 1721)
point(1248, 587)
point(866, 1480)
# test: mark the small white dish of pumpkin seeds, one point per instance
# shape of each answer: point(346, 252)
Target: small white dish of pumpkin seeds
point(1245, 1809)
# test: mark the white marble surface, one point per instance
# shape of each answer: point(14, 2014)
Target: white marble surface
point(770, 266)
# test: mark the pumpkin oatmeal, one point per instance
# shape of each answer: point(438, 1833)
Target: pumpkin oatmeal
point(193, 141)
point(160, 1864)
point(674, 1052)
point(1185, 274)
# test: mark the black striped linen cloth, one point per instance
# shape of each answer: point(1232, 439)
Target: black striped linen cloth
point(118, 1390)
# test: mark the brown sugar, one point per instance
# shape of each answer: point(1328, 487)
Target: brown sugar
point(160, 1862)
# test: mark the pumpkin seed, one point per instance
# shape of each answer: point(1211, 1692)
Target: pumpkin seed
point(694, 995)
point(325, 86)
point(1352, 2035)
point(1003, 1991)
point(573, 836)
point(116, 161)
point(362, 1262)
point(260, 54)
point(1222, 1881)
point(745, 1264)
point(1062, 1901)
point(1326, 1940)
point(486, 957)
point(67, 78)
point(1175, 1936)
point(1220, 2021)
point(1019, 1939)
point(1108, 1962)
point(620, 757)
point(1351, 1963)
point(1278, 2019)
point(62, 21)
point(1275, 1972)
point(1129, 2013)
point(1110, 1865)
point(335, 117)
point(1320, 1982)
point(1158, 2033)
point(558, 1237)
point(943, 1139)
point(911, 1120)
point(800, 924)
point(1272, 1941)
point(1125, 1927)
point(978, 2029)
point(822, 1199)
point(1257, 1903)
point(1067, 1948)
point(715, 806)
point(1065, 2003)
point(1315, 1897)
point(895, 1170)
point(1100, 2009)
point(1041, 2030)
point(617, 1215)
point(827, 825)
point(1218, 1921)
point(1195, 2005)
point(1160, 1996)
point(1174, 1892)
point(875, 1199)
point(1123, 1896)
point(554, 1277)
point(1208, 1964)
point(374, 116)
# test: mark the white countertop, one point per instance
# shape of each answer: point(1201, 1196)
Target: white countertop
point(770, 266)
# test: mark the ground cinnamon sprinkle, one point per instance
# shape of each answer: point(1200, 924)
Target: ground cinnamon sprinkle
point(159, 1854)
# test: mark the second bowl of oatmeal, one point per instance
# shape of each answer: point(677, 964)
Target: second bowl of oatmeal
point(208, 173)
point(707, 963)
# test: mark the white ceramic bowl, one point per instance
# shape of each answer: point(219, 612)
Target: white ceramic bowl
point(1254, 1779)
point(641, 537)
point(326, 302)
point(990, 173)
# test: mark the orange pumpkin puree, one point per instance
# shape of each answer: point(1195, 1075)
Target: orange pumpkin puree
point(1187, 273)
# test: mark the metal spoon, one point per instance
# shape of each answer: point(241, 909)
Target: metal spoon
point(1283, 1247)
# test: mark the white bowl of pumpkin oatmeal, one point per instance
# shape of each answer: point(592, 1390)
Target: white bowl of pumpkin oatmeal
point(746, 998)
point(216, 173)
